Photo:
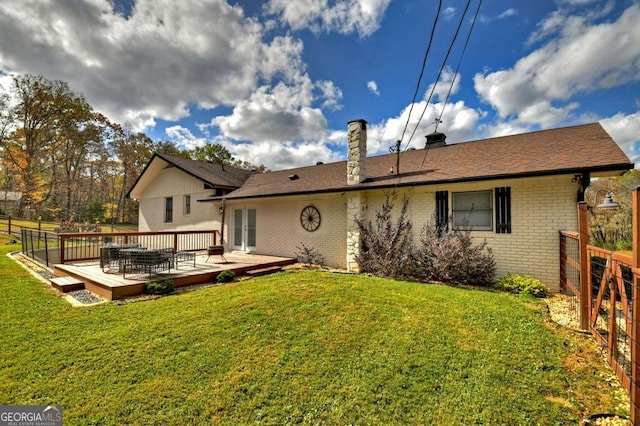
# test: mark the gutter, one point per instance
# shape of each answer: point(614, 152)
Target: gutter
point(363, 186)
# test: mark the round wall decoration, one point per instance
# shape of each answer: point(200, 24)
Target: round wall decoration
point(310, 218)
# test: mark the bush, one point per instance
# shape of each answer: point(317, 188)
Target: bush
point(387, 249)
point(225, 276)
point(448, 255)
point(309, 256)
point(159, 287)
point(523, 284)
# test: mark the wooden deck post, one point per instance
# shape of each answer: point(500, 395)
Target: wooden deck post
point(635, 326)
point(585, 282)
point(62, 250)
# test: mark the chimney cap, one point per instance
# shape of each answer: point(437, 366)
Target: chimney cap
point(361, 120)
point(436, 139)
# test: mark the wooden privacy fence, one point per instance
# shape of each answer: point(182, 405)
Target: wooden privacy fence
point(605, 289)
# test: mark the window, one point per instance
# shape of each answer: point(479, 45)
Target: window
point(187, 205)
point(168, 209)
point(473, 210)
point(442, 210)
point(503, 210)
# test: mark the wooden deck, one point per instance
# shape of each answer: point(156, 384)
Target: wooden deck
point(111, 284)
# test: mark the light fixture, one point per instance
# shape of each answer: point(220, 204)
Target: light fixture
point(608, 202)
point(221, 210)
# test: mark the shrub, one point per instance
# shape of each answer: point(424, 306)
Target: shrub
point(159, 287)
point(448, 255)
point(387, 249)
point(309, 256)
point(523, 284)
point(225, 276)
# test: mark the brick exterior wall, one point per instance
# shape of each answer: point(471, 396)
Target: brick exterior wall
point(540, 208)
point(280, 233)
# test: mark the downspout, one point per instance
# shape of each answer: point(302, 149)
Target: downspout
point(222, 212)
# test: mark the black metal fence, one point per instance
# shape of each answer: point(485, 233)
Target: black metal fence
point(50, 248)
point(41, 246)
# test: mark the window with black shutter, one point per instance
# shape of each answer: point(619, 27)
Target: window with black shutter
point(503, 210)
point(442, 210)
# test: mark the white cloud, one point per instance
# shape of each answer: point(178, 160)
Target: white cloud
point(584, 59)
point(442, 88)
point(448, 13)
point(163, 58)
point(281, 113)
point(342, 16)
point(182, 137)
point(625, 130)
point(373, 87)
point(331, 94)
point(565, 17)
point(458, 123)
point(279, 156)
point(506, 14)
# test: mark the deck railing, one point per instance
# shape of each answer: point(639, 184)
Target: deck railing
point(51, 248)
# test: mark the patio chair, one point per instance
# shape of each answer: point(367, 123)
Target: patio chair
point(216, 251)
point(147, 261)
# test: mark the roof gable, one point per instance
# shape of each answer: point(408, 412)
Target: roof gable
point(213, 174)
point(577, 149)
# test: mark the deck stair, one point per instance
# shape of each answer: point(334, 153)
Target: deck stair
point(67, 284)
point(263, 271)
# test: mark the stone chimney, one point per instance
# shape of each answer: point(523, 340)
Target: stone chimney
point(356, 151)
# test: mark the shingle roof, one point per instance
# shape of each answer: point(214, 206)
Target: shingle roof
point(577, 149)
point(210, 173)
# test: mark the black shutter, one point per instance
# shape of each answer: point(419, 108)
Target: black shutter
point(503, 210)
point(442, 210)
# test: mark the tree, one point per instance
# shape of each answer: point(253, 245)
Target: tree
point(32, 134)
point(612, 229)
point(164, 147)
point(214, 153)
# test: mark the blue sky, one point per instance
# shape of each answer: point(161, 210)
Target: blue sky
point(276, 81)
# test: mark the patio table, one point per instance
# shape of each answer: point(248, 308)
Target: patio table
point(110, 254)
point(184, 256)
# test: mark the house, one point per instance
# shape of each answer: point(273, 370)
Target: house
point(516, 192)
point(9, 201)
point(168, 189)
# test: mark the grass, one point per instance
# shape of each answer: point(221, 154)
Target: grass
point(297, 347)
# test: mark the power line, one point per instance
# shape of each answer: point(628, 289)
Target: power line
point(424, 63)
point(455, 74)
point(444, 62)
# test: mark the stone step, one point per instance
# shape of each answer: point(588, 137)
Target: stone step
point(67, 284)
point(263, 271)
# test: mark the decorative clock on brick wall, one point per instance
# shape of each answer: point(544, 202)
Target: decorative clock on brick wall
point(310, 218)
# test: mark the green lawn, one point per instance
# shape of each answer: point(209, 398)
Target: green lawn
point(297, 347)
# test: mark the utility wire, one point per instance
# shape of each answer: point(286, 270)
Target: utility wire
point(424, 64)
point(444, 62)
point(455, 75)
